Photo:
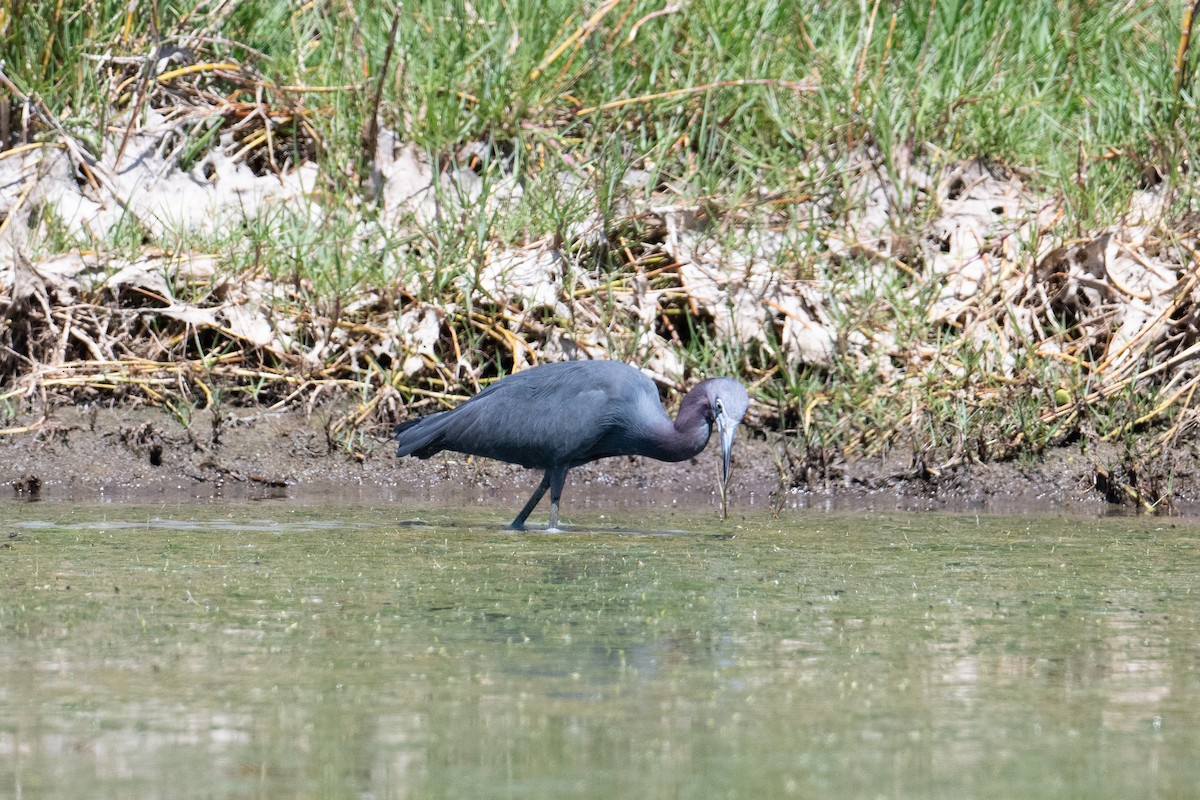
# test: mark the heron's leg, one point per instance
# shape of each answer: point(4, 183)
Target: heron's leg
point(557, 478)
point(518, 524)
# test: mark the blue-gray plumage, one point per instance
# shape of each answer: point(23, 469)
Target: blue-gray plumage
point(557, 416)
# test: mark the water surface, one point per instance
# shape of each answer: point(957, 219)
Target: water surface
point(271, 651)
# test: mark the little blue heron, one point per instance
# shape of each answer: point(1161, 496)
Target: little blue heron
point(557, 416)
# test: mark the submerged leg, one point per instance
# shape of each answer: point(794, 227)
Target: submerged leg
point(518, 524)
point(557, 478)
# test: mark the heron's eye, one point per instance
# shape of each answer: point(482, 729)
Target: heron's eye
point(720, 406)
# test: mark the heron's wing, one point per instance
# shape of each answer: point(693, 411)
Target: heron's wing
point(551, 416)
point(470, 427)
point(536, 426)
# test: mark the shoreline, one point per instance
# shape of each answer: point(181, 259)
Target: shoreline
point(143, 454)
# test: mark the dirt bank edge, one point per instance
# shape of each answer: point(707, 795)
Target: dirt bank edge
point(85, 454)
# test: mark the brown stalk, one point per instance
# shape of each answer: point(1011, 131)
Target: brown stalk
point(858, 71)
point(576, 38)
point(370, 132)
point(1185, 40)
point(796, 86)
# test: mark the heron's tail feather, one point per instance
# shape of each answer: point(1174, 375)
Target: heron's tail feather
point(420, 437)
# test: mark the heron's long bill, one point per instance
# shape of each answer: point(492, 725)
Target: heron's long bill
point(726, 428)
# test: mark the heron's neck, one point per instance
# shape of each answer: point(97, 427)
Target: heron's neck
point(686, 436)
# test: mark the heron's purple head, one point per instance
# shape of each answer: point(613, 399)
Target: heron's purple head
point(727, 401)
point(727, 406)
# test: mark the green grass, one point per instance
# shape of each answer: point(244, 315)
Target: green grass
point(1079, 95)
point(1024, 82)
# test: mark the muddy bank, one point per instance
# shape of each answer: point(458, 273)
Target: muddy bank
point(87, 454)
point(936, 317)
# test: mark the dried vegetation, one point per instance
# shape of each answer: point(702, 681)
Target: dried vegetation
point(878, 299)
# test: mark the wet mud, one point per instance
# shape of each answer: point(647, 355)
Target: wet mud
point(141, 453)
